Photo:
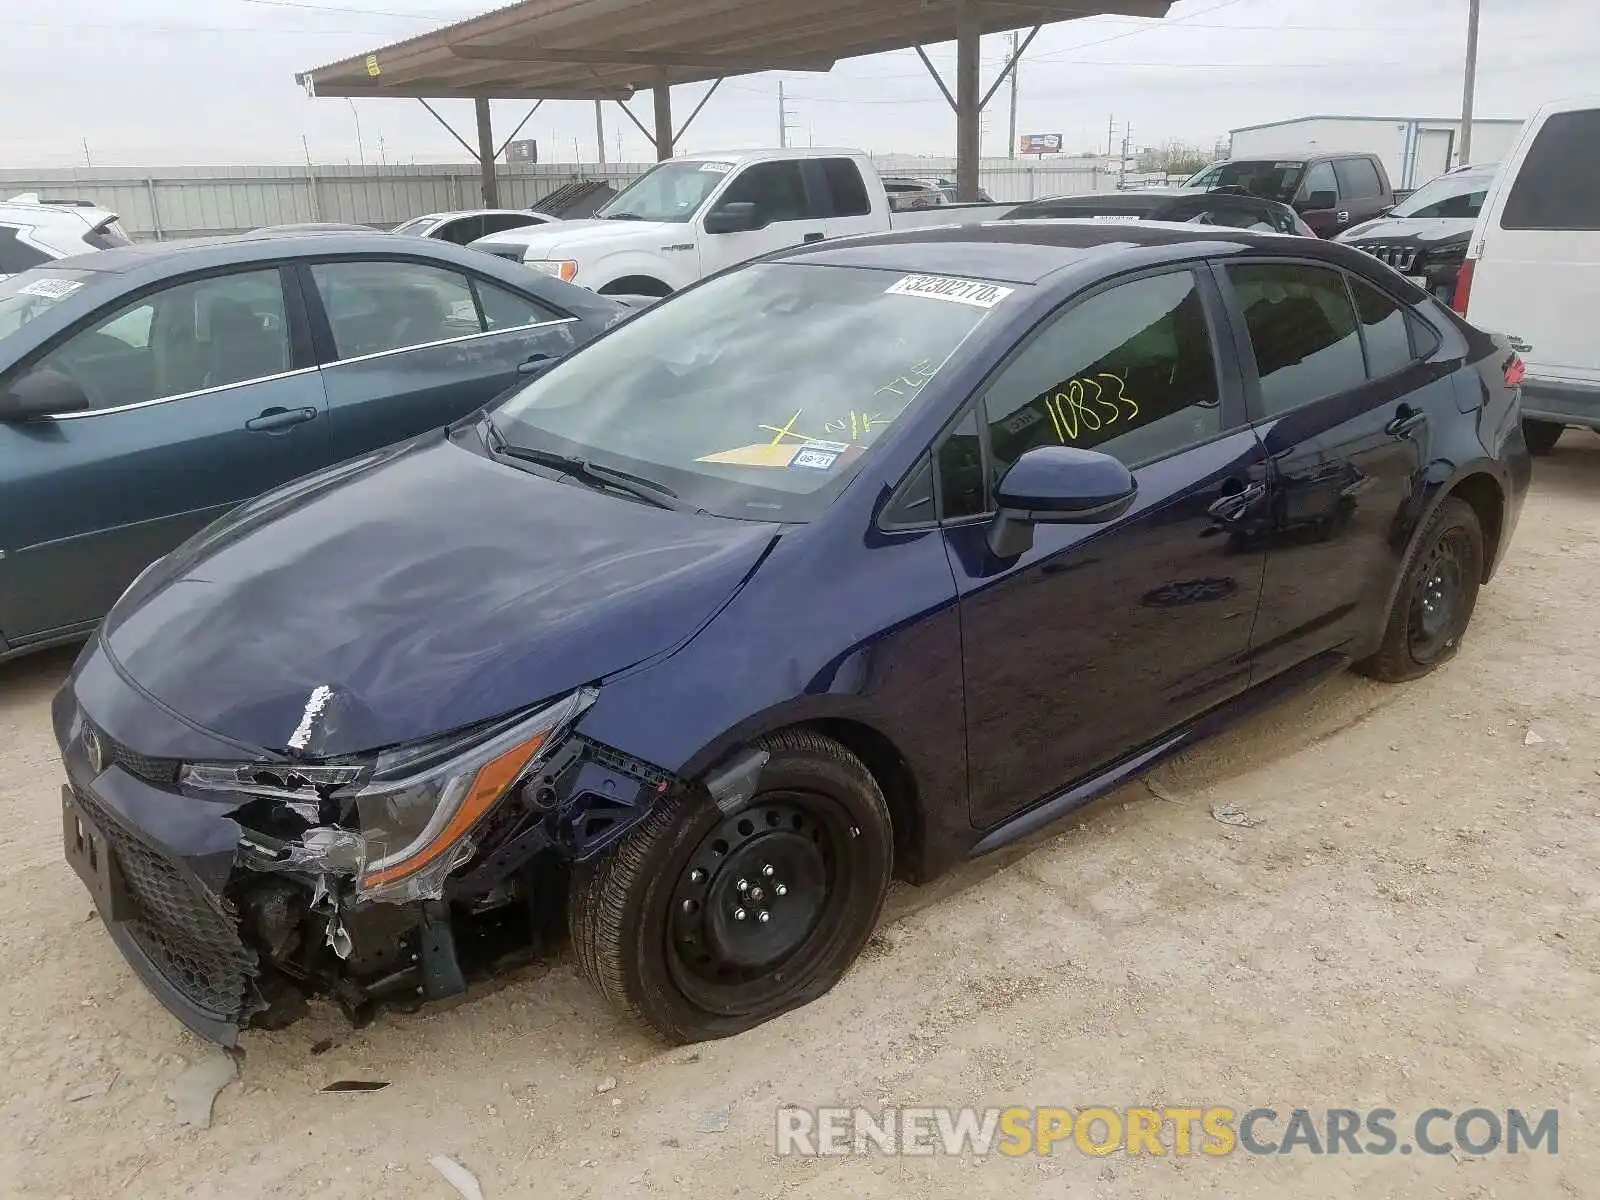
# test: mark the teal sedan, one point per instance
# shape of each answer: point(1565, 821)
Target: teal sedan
point(147, 390)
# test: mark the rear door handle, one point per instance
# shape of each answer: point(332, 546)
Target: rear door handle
point(276, 420)
point(1406, 422)
point(814, 237)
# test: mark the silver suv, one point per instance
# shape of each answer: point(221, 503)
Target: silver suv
point(34, 231)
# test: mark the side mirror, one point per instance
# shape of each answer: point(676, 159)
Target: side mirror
point(736, 216)
point(1057, 485)
point(41, 393)
point(1320, 201)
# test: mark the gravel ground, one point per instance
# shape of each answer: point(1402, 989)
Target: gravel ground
point(1412, 925)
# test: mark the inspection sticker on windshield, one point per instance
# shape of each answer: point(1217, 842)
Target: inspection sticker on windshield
point(959, 291)
point(50, 289)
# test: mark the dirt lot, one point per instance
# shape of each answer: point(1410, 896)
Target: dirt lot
point(1413, 925)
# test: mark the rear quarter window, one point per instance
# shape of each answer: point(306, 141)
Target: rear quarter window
point(1558, 186)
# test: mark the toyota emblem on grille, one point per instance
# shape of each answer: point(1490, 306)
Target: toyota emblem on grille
point(95, 749)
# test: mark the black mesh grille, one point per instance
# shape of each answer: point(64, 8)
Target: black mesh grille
point(193, 944)
point(161, 771)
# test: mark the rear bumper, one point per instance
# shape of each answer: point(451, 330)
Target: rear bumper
point(1561, 402)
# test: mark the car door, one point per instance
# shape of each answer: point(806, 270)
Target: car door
point(407, 346)
point(788, 213)
point(202, 394)
point(1317, 200)
point(1344, 397)
point(1099, 638)
point(1360, 190)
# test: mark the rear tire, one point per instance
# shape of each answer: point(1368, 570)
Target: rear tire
point(702, 924)
point(1541, 436)
point(1438, 593)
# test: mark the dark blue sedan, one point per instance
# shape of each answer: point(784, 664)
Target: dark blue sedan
point(145, 391)
point(848, 564)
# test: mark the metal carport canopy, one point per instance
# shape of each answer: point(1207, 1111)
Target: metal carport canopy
point(609, 49)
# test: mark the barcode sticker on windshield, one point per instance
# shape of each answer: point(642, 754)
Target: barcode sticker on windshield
point(1116, 218)
point(958, 291)
point(50, 289)
point(716, 168)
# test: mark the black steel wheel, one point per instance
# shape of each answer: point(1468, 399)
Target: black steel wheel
point(1437, 596)
point(1541, 436)
point(703, 923)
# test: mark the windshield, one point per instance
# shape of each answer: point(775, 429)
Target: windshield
point(24, 297)
point(1269, 179)
point(758, 394)
point(673, 191)
point(1448, 196)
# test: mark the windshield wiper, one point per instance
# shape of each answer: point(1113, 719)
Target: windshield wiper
point(620, 216)
point(637, 486)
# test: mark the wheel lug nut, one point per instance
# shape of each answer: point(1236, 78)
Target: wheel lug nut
point(697, 876)
point(767, 870)
point(689, 906)
point(739, 914)
point(763, 916)
point(743, 885)
point(781, 889)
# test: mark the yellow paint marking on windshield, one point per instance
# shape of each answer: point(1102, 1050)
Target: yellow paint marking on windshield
point(762, 454)
point(787, 430)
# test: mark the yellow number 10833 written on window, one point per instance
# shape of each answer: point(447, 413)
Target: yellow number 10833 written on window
point(1089, 405)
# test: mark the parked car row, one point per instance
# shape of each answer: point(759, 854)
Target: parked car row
point(34, 231)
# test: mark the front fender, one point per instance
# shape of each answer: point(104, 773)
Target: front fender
point(609, 268)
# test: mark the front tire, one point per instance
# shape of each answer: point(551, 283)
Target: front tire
point(1438, 594)
point(1541, 436)
point(702, 924)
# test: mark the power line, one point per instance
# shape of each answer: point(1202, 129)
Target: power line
point(360, 12)
point(169, 29)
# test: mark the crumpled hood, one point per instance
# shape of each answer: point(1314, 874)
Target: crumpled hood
point(564, 239)
point(1426, 231)
point(424, 589)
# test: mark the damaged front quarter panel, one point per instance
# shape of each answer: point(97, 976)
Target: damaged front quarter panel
point(399, 879)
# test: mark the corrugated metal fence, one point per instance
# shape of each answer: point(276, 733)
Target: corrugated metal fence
point(194, 201)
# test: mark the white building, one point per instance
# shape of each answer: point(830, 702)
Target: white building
point(1414, 149)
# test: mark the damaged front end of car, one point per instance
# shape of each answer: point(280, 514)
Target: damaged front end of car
point(391, 878)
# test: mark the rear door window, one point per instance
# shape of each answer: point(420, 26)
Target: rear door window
point(500, 222)
point(1303, 330)
point(1358, 179)
point(1558, 186)
point(375, 306)
point(1384, 330)
point(847, 192)
point(461, 231)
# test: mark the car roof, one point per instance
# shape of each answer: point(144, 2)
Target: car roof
point(1026, 251)
point(38, 214)
point(470, 212)
point(202, 253)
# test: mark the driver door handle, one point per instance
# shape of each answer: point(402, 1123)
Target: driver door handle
point(276, 420)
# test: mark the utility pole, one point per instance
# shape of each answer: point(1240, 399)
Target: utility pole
point(361, 148)
point(1016, 69)
point(1471, 82)
point(783, 119)
point(600, 130)
point(86, 159)
point(1111, 136)
point(1122, 173)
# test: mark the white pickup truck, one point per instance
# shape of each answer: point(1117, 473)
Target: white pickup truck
point(692, 216)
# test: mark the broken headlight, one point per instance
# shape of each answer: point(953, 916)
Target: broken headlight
point(420, 806)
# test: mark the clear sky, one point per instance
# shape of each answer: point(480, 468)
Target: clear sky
point(164, 82)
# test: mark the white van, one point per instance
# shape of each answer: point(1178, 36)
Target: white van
point(1533, 269)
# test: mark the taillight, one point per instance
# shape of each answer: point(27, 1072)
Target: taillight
point(1464, 287)
point(1516, 371)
